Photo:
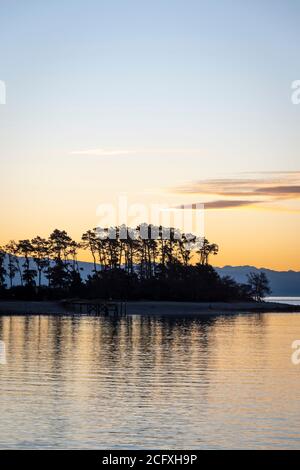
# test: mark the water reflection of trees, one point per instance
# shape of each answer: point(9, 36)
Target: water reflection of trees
point(157, 352)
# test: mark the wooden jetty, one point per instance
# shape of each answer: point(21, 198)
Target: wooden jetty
point(97, 307)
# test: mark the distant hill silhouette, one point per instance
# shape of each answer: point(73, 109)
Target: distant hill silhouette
point(283, 283)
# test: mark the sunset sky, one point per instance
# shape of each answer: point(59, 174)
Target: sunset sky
point(171, 102)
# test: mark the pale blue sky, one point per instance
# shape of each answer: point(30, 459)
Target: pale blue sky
point(93, 74)
point(186, 89)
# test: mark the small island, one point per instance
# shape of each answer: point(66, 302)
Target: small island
point(155, 270)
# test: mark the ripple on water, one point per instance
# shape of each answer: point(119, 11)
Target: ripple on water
point(140, 382)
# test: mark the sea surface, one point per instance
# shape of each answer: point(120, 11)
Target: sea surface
point(284, 300)
point(140, 382)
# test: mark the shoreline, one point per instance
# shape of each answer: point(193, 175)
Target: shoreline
point(149, 308)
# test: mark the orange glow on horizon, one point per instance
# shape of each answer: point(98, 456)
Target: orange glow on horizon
point(245, 236)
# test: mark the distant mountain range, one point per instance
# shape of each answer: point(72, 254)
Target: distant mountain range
point(283, 283)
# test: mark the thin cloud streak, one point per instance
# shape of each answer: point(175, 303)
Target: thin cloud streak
point(241, 187)
point(278, 187)
point(280, 190)
point(102, 152)
point(275, 172)
point(222, 204)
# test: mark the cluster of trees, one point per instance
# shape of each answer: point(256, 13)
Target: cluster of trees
point(55, 258)
point(147, 262)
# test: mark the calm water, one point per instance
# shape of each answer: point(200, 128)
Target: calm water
point(141, 382)
point(284, 300)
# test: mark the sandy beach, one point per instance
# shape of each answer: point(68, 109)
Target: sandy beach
point(150, 308)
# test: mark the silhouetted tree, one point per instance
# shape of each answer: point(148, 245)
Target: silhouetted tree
point(59, 277)
point(40, 253)
point(148, 262)
point(73, 252)
point(259, 285)
point(90, 242)
point(2, 268)
point(25, 249)
point(14, 263)
point(58, 271)
point(206, 250)
point(59, 242)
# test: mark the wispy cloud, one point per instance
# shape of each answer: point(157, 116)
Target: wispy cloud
point(227, 204)
point(222, 204)
point(284, 173)
point(278, 186)
point(96, 152)
point(281, 191)
point(106, 152)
